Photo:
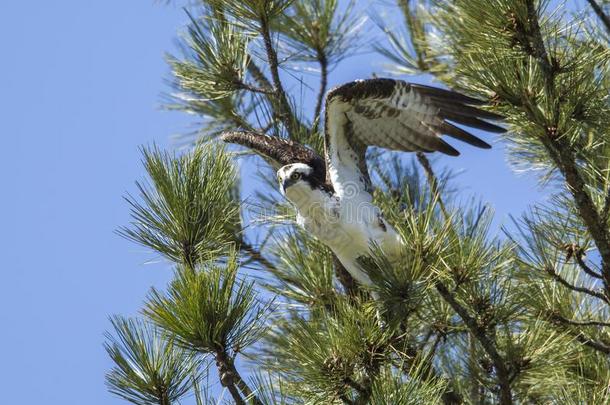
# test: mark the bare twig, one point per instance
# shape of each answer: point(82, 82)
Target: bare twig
point(235, 395)
point(164, 400)
point(474, 371)
point(538, 49)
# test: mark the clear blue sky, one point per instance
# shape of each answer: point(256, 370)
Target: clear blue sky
point(81, 84)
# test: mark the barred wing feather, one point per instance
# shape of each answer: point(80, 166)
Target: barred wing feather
point(408, 117)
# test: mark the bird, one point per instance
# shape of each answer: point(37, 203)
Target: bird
point(333, 195)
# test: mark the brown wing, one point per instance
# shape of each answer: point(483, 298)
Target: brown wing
point(398, 115)
point(278, 151)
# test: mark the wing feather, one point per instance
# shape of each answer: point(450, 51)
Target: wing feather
point(442, 94)
point(464, 136)
point(410, 117)
point(473, 122)
point(466, 110)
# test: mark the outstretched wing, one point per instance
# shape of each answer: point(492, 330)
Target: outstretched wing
point(397, 115)
point(278, 151)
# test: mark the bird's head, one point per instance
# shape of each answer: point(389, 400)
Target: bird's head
point(296, 181)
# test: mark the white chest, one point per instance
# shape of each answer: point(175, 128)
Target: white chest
point(352, 228)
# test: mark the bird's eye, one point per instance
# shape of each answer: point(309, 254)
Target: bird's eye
point(295, 176)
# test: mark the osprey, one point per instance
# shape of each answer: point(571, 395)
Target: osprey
point(333, 196)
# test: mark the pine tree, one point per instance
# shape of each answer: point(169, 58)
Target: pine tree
point(466, 316)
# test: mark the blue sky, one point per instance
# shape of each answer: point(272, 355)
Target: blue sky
point(81, 85)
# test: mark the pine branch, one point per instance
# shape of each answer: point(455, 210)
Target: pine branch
point(209, 311)
point(417, 34)
point(148, 367)
point(488, 344)
point(323, 84)
point(363, 392)
point(606, 209)
point(284, 112)
point(363, 398)
point(586, 268)
point(365, 389)
point(538, 49)
point(278, 106)
point(560, 319)
point(256, 255)
point(427, 371)
point(274, 91)
point(345, 278)
point(258, 74)
point(230, 378)
point(594, 344)
point(565, 160)
point(245, 86)
point(425, 163)
point(573, 287)
point(600, 14)
point(346, 400)
point(473, 369)
point(244, 388)
point(562, 154)
point(235, 395)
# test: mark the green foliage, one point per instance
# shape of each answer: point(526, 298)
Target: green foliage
point(149, 369)
point(187, 210)
point(315, 30)
point(251, 12)
point(216, 60)
point(496, 51)
point(271, 389)
point(329, 355)
point(304, 273)
point(403, 284)
point(209, 310)
point(391, 387)
point(583, 395)
point(463, 315)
